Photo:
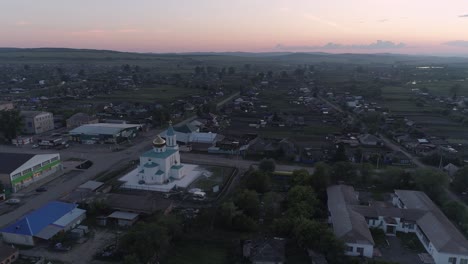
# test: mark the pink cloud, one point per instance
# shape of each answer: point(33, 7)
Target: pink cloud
point(23, 23)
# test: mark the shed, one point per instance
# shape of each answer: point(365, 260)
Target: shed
point(124, 218)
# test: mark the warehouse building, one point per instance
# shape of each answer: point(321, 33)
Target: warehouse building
point(18, 170)
point(43, 223)
point(104, 133)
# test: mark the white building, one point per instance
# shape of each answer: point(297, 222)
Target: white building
point(43, 223)
point(162, 163)
point(18, 170)
point(36, 122)
point(412, 212)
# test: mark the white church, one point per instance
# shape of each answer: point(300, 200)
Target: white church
point(160, 168)
point(161, 163)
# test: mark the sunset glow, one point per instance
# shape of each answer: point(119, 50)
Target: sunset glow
point(413, 27)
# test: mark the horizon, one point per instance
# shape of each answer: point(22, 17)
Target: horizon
point(415, 28)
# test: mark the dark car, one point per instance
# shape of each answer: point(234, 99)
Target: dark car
point(41, 189)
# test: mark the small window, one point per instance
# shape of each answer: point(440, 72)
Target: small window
point(463, 261)
point(452, 260)
point(349, 249)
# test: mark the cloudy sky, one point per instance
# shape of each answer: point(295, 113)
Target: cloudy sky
point(364, 26)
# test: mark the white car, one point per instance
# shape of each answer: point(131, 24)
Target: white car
point(13, 201)
point(35, 146)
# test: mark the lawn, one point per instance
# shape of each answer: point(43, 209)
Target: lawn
point(195, 252)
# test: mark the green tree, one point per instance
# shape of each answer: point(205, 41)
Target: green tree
point(340, 154)
point(242, 222)
point(456, 211)
point(300, 177)
point(432, 182)
point(321, 177)
point(227, 212)
point(454, 89)
point(248, 202)
point(343, 171)
point(131, 259)
point(460, 180)
point(11, 123)
point(267, 165)
point(258, 181)
point(302, 202)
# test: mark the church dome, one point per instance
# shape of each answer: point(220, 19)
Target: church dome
point(159, 142)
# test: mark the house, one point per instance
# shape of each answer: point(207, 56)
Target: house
point(8, 254)
point(43, 223)
point(18, 170)
point(5, 105)
point(451, 169)
point(409, 212)
point(36, 122)
point(370, 140)
point(123, 219)
point(79, 119)
point(265, 251)
point(397, 158)
point(347, 224)
point(104, 133)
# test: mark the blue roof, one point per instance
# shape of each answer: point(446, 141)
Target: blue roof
point(37, 220)
point(170, 131)
point(159, 155)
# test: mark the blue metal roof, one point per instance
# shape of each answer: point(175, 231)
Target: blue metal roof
point(37, 220)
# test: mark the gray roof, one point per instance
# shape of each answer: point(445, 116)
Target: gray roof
point(435, 225)
point(9, 162)
point(81, 117)
point(101, 129)
point(123, 215)
point(348, 225)
point(268, 250)
point(32, 113)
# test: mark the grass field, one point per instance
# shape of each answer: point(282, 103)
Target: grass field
point(218, 177)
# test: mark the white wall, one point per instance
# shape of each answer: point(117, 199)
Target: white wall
point(368, 250)
point(444, 258)
point(18, 239)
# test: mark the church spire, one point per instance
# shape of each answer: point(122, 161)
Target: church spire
point(171, 137)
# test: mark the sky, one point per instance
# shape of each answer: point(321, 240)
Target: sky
point(431, 27)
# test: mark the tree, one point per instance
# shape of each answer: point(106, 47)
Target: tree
point(258, 181)
point(460, 180)
point(300, 177)
point(302, 202)
point(340, 154)
point(242, 222)
point(432, 182)
point(267, 165)
point(11, 123)
point(343, 171)
point(456, 212)
point(454, 89)
point(321, 177)
point(248, 202)
point(227, 212)
point(131, 259)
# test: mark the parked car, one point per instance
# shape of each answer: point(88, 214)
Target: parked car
point(41, 189)
point(13, 201)
point(35, 146)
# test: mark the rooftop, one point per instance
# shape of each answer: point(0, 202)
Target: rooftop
point(102, 129)
point(9, 162)
point(347, 224)
point(435, 225)
point(123, 215)
point(32, 113)
point(32, 223)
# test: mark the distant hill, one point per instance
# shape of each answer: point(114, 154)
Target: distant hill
point(62, 55)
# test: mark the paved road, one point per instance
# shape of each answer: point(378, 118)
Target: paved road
point(102, 156)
